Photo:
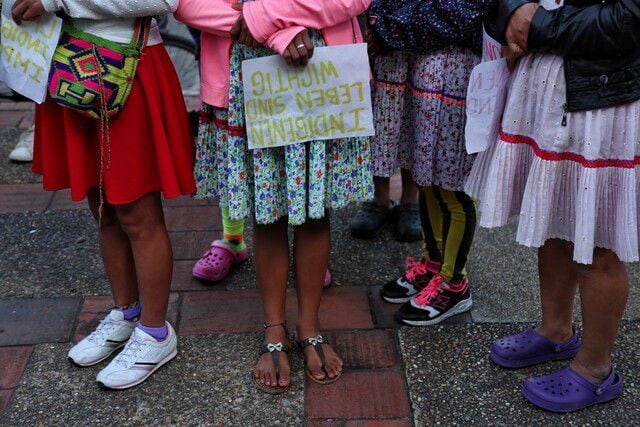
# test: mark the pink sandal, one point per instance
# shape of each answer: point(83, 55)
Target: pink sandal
point(216, 263)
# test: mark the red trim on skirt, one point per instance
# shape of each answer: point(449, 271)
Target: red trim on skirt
point(152, 149)
point(568, 156)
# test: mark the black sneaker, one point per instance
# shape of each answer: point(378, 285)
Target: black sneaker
point(435, 303)
point(417, 276)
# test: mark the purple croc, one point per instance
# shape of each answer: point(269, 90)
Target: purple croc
point(529, 348)
point(566, 390)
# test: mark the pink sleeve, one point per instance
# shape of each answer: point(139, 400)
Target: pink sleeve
point(279, 40)
point(266, 17)
point(211, 16)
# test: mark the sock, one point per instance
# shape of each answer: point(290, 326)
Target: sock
point(159, 334)
point(232, 231)
point(131, 312)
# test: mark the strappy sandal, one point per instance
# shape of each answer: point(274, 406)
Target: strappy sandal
point(274, 349)
point(316, 342)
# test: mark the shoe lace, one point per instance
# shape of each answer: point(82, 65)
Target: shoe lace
point(104, 329)
point(415, 268)
point(426, 295)
point(129, 354)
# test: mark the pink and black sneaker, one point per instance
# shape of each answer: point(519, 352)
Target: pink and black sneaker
point(418, 275)
point(436, 302)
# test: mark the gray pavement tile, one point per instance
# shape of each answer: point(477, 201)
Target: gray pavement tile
point(207, 384)
point(50, 254)
point(504, 279)
point(13, 173)
point(357, 262)
point(453, 382)
point(33, 321)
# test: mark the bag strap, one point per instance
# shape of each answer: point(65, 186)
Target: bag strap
point(141, 34)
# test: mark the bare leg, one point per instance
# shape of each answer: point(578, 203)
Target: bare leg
point(143, 223)
point(271, 254)
point(409, 188)
point(558, 285)
point(117, 256)
point(381, 194)
point(311, 247)
point(604, 288)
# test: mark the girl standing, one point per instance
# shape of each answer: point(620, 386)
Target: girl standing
point(149, 152)
point(424, 52)
point(294, 185)
point(566, 162)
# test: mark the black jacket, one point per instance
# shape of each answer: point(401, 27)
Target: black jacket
point(600, 41)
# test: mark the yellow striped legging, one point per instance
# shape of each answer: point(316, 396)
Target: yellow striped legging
point(449, 223)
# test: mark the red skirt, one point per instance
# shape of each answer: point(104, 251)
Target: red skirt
point(151, 146)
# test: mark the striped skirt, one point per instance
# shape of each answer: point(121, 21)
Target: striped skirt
point(419, 111)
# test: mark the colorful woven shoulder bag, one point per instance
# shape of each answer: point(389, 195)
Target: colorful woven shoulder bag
point(92, 75)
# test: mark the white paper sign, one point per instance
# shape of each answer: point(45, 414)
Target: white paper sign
point(491, 49)
point(27, 51)
point(551, 4)
point(328, 99)
point(486, 98)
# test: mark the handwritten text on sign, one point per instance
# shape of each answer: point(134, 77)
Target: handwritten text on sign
point(486, 97)
point(27, 50)
point(330, 98)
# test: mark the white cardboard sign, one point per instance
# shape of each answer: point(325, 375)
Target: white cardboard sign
point(551, 4)
point(486, 98)
point(330, 98)
point(27, 50)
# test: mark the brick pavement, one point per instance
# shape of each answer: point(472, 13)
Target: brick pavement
point(353, 319)
point(349, 314)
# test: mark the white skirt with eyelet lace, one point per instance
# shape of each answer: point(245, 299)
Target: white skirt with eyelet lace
point(577, 182)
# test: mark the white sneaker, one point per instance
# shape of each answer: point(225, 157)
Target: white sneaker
point(141, 357)
point(112, 333)
point(23, 152)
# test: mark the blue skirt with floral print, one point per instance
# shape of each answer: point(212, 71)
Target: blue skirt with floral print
point(299, 181)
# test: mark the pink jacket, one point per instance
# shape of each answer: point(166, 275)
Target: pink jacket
point(274, 23)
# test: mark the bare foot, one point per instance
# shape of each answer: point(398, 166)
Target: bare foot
point(333, 362)
point(265, 371)
point(594, 374)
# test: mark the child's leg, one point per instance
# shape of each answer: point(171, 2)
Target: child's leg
point(458, 228)
point(381, 186)
point(143, 223)
point(431, 220)
point(232, 230)
point(604, 288)
point(558, 284)
point(312, 244)
point(271, 254)
point(409, 188)
point(116, 253)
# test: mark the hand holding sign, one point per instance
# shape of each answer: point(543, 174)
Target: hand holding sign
point(27, 49)
point(27, 10)
point(328, 99)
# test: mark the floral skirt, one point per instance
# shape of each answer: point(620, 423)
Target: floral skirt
point(419, 111)
point(575, 179)
point(299, 181)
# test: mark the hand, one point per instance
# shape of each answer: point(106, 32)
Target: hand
point(240, 32)
point(517, 33)
point(512, 53)
point(375, 46)
point(300, 50)
point(26, 10)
